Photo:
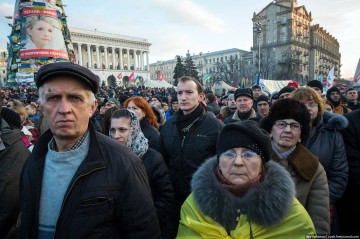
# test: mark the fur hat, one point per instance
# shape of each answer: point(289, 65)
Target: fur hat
point(246, 92)
point(332, 89)
point(288, 109)
point(315, 83)
point(11, 117)
point(245, 134)
point(76, 71)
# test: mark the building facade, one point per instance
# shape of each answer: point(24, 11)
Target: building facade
point(111, 55)
point(206, 63)
point(287, 46)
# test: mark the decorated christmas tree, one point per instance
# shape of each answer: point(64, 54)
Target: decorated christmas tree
point(39, 36)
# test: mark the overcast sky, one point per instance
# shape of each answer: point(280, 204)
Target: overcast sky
point(175, 26)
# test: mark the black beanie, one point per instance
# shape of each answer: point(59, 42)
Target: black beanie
point(11, 117)
point(245, 134)
point(174, 99)
point(315, 83)
point(332, 89)
point(286, 89)
point(288, 109)
point(263, 98)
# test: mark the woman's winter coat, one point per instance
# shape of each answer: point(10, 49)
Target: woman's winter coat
point(327, 144)
point(310, 184)
point(268, 210)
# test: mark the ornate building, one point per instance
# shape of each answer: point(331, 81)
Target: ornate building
point(206, 64)
point(290, 46)
point(111, 55)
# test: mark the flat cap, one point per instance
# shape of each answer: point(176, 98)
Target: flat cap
point(56, 69)
point(246, 92)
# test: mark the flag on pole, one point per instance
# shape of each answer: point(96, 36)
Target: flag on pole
point(258, 79)
point(137, 80)
point(247, 79)
point(207, 77)
point(161, 76)
point(329, 80)
point(242, 83)
point(119, 76)
point(132, 77)
point(357, 73)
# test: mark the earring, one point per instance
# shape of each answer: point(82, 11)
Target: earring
point(299, 141)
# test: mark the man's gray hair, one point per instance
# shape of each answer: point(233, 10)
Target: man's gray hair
point(41, 99)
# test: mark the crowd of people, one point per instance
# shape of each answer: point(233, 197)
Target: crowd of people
point(84, 161)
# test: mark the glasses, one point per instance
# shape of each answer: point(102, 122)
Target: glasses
point(228, 155)
point(283, 124)
point(311, 105)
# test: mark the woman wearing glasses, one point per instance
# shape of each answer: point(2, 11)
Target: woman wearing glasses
point(288, 125)
point(326, 142)
point(241, 194)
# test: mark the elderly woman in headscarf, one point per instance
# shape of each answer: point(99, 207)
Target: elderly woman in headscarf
point(240, 193)
point(288, 125)
point(125, 128)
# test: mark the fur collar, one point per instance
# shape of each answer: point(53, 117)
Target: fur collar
point(334, 121)
point(236, 116)
point(303, 161)
point(266, 204)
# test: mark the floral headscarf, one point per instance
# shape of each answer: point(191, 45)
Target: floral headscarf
point(137, 141)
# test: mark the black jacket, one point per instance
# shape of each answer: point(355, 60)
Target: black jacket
point(12, 159)
point(108, 197)
point(327, 144)
point(151, 133)
point(184, 155)
point(159, 181)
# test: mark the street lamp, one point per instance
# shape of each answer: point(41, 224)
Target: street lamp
point(258, 30)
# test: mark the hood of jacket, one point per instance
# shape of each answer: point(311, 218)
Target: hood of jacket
point(332, 121)
point(265, 204)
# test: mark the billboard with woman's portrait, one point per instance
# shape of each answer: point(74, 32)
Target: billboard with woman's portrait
point(41, 34)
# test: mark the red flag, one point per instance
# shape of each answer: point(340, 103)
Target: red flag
point(102, 67)
point(132, 77)
point(119, 76)
point(161, 76)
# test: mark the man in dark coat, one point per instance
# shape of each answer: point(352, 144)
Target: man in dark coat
point(13, 154)
point(78, 183)
point(348, 206)
point(186, 141)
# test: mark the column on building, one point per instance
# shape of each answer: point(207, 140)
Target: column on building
point(121, 59)
point(113, 57)
point(128, 58)
point(135, 59)
point(79, 54)
point(89, 56)
point(106, 57)
point(147, 61)
point(97, 57)
point(141, 60)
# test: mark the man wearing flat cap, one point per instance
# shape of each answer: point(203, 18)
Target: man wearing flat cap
point(244, 102)
point(78, 183)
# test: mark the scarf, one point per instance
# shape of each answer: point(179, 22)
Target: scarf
point(136, 140)
point(237, 190)
point(244, 116)
point(282, 155)
point(184, 122)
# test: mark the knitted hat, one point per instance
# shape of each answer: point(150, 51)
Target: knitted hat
point(113, 101)
point(315, 83)
point(246, 92)
point(11, 117)
point(275, 95)
point(332, 89)
point(231, 96)
point(293, 84)
point(288, 109)
point(255, 87)
point(245, 134)
point(263, 98)
point(286, 89)
point(158, 97)
point(52, 70)
point(174, 99)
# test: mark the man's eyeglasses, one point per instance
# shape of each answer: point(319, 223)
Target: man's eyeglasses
point(228, 155)
point(283, 124)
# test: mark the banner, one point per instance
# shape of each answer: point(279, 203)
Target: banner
point(329, 80)
point(24, 77)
